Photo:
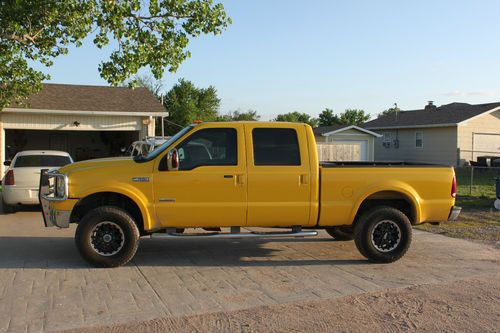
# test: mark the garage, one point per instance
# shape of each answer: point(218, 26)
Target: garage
point(81, 145)
point(345, 143)
point(86, 121)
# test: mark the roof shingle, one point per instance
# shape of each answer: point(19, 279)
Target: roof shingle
point(92, 98)
point(453, 113)
point(325, 129)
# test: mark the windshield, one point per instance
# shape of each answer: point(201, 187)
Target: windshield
point(157, 151)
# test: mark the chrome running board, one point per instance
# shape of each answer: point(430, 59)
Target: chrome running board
point(237, 235)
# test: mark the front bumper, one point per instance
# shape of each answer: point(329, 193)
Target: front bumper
point(454, 212)
point(53, 217)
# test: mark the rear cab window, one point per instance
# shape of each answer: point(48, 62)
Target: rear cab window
point(275, 146)
point(30, 161)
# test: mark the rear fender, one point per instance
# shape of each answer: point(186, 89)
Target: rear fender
point(394, 186)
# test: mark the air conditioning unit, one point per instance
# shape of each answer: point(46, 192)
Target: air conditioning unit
point(396, 143)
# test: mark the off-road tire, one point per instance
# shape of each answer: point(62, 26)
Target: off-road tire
point(370, 227)
point(87, 233)
point(342, 233)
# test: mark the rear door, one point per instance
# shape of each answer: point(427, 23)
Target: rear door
point(279, 175)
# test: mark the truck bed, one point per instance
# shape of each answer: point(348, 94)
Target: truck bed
point(424, 190)
point(326, 164)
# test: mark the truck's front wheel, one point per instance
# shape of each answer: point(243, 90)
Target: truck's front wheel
point(107, 237)
point(383, 234)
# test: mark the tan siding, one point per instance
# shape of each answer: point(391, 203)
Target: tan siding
point(65, 122)
point(483, 144)
point(440, 146)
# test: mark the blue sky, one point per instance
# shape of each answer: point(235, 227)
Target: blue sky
point(285, 55)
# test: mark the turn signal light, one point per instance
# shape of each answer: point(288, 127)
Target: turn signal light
point(454, 187)
point(9, 178)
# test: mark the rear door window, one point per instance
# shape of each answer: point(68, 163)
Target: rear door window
point(275, 146)
point(29, 161)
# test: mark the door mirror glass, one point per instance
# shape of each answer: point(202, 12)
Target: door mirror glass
point(173, 160)
point(7, 163)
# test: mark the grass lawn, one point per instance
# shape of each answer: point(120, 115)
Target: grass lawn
point(483, 182)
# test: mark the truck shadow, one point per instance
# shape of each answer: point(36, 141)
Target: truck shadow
point(61, 253)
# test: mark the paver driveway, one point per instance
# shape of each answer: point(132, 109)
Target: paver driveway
point(45, 286)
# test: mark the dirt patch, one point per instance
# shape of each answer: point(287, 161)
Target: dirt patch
point(466, 305)
point(473, 224)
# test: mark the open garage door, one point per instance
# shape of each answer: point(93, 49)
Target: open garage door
point(81, 145)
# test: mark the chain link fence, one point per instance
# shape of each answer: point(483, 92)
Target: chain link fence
point(477, 181)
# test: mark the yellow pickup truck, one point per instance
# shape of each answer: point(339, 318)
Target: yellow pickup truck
point(222, 177)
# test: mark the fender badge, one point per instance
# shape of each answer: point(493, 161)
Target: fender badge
point(140, 179)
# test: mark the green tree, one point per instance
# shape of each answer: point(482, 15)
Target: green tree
point(328, 118)
point(394, 109)
point(353, 117)
point(238, 115)
point(297, 117)
point(151, 33)
point(186, 103)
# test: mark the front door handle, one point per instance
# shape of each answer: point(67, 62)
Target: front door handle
point(304, 179)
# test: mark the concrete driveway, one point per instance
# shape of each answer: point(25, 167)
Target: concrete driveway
point(45, 286)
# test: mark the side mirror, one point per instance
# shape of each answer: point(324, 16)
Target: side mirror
point(7, 162)
point(173, 160)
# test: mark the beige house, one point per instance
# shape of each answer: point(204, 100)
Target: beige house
point(345, 143)
point(86, 121)
point(452, 134)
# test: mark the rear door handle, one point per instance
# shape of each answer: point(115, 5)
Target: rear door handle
point(240, 180)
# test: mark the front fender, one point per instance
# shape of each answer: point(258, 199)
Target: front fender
point(139, 197)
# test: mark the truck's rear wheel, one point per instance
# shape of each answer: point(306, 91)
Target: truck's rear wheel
point(107, 237)
point(383, 234)
point(342, 233)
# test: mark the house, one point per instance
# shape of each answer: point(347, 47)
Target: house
point(345, 143)
point(451, 134)
point(86, 121)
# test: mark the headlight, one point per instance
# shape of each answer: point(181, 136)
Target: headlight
point(60, 187)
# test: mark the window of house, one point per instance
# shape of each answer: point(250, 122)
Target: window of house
point(387, 137)
point(419, 140)
point(208, 147)
point(275, 146)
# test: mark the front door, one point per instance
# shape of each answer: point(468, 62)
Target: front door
point(210, 187)
point(279, 177)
